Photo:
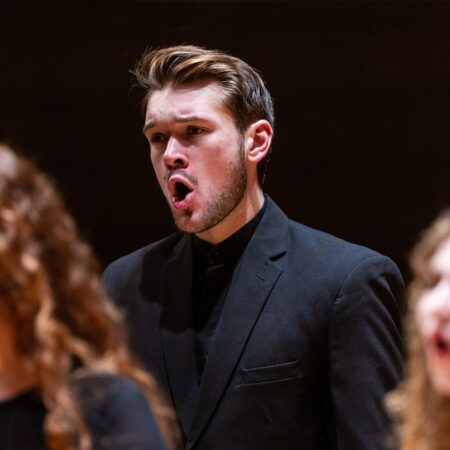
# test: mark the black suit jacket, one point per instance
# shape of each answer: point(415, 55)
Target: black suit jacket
point(307, 344)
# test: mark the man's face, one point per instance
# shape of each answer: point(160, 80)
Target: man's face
point(197, 153)
point(433, 320)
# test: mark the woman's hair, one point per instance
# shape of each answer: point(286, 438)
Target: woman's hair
point(424, 414)
point(51, 290)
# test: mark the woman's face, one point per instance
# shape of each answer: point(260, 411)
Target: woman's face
point(433, 320)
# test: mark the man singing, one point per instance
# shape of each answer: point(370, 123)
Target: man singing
point(265, 334)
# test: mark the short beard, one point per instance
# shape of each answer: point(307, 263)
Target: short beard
point(224, 202)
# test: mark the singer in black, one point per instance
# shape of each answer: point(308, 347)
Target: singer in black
point(265, 333)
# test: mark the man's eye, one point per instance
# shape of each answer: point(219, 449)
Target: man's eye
point(194, 130)
point(157, 138)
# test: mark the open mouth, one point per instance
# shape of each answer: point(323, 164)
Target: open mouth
point(181, 191)
point(441, 346)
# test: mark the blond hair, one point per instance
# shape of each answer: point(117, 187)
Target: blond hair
point(424, 415)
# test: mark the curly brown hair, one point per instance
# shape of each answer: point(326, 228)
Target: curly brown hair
point(51, 289)
point(424, 415)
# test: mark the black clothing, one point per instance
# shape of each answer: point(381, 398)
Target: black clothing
point(115, 410)
point(21, 421)
point(306, 347)
point(213, 267)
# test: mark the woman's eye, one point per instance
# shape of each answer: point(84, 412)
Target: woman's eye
point(431, 280)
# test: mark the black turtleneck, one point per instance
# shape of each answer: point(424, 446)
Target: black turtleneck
point(213, 268)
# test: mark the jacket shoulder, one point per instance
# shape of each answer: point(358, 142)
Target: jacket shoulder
point(317, 241)
point(326, 253)
point(127, 267)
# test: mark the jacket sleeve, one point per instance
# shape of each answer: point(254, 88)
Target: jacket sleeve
point(365, 353)
point(117, 414)
point(113, 277)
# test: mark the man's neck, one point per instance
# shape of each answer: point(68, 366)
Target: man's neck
point(245, 211)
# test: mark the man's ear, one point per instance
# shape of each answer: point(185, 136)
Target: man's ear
point(258, 138)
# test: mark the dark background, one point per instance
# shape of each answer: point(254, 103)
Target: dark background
point(361, 89)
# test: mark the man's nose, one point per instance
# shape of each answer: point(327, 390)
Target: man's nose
point(175, 156)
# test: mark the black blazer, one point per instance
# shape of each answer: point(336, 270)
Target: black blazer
point(307, 344)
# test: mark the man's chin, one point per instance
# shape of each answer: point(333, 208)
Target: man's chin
point(190, 223)
point(185, 222)
point(186, 228)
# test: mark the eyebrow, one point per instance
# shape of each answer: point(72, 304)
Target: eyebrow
point(182, 119)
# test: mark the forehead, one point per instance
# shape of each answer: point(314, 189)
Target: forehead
point(204, 96)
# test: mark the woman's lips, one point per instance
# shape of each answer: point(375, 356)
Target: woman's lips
point(439, 341)
point(441, 346)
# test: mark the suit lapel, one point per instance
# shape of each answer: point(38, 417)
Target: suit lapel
point(255, 276)
point(177, 333)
